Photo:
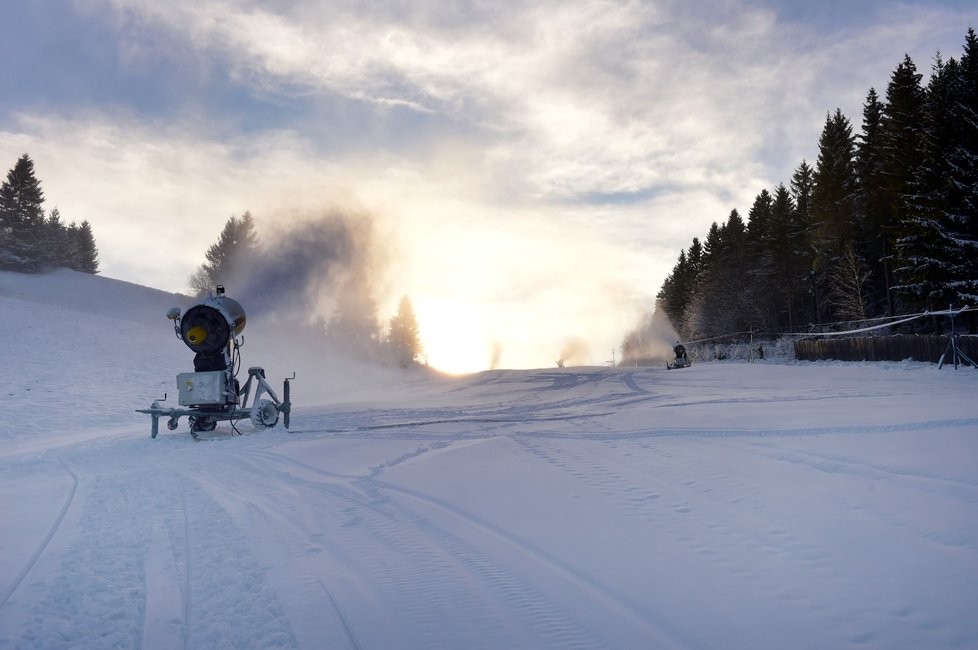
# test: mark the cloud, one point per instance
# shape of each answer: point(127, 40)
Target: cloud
point(567, 99)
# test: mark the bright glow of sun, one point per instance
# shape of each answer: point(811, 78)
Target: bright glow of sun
point(490, 290)
point(453, 336)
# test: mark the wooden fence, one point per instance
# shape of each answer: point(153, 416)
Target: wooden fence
point(883, 348)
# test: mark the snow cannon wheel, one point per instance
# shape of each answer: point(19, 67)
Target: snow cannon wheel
point(264, 414)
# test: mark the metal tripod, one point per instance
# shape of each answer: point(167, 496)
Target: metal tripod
point(957, 356)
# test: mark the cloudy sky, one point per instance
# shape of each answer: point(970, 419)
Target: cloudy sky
point(532, 168)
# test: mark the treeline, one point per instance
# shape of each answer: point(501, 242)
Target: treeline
point(885, 223)
point(31, 241)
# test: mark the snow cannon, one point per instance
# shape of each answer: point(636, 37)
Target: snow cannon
point(682, 359)
point(212, 393)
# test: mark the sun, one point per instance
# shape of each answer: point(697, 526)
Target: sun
point(453, 336)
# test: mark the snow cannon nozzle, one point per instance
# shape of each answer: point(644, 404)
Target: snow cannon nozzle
point(211, 325)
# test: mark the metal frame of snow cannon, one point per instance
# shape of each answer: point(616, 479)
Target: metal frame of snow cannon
point(682, 362)
point(211, 393)
point(263, 413)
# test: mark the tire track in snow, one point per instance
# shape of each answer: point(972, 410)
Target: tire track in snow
point(59, 518)
point(629, 379)
point(675, 507)
point(959, 489)
point(97, 588)
point(825, 462)
point(294, 511)
point(620, 433)
point(660, 630)
point(668, 432)
point(339, 612)
point(164, 612)
point(188, 571)
point(433, 590)
point(228, 602)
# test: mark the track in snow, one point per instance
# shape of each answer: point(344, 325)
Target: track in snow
point(59, 518)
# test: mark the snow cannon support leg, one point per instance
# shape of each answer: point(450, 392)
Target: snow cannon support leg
point(286, 406)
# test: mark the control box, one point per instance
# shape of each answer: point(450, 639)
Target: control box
point(203, 388)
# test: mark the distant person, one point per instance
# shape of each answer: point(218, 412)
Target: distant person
point(760, 351)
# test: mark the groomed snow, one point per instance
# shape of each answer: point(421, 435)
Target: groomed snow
point(727, 505)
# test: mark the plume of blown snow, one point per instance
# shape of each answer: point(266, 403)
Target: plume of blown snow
point(651, 341)
point(574, 349)
point(318, 269)
point(309, 291)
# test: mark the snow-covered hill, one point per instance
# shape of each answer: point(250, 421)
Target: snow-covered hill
point(720, 506)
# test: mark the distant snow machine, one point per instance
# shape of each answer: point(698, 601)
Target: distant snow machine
point(682, 360)
point(212, 393)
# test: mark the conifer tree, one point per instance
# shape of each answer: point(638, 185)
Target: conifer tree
point(55, 249)
point(759, 260)
point(721, 305)
point(924, 246)
point(786, 266)
point(901, 141)
point(21, 217)
point(674, 293)
point(695, 255)
point(833, 207)
point(833, 194)
point(226, 257)
point(85, 253)
point(404, 339)
point(963, 175)
point(873, 237)
point(802, 186)
point(802, 183)
point(692, 323)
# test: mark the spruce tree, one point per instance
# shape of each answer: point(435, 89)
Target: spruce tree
point(802, 183)
point(759, 261)
point(785, 266)
point(404, 339)
point(226, 257)
point(695, 255)
point(85, 251)
point(833, 194)
point(21, 217)
point(873, 236)
point(901, 143)
point(721, 304)
point(963, 172)
point(55, 250)
point(802, 186)
point(924, 246)
point(690, 322)
point(833, 207)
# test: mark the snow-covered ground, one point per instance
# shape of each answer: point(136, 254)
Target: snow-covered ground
point(727, 505)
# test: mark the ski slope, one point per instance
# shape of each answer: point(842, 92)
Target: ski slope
point(727, 505)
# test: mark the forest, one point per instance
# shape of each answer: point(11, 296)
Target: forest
point(885, 223)
point(32, 241)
